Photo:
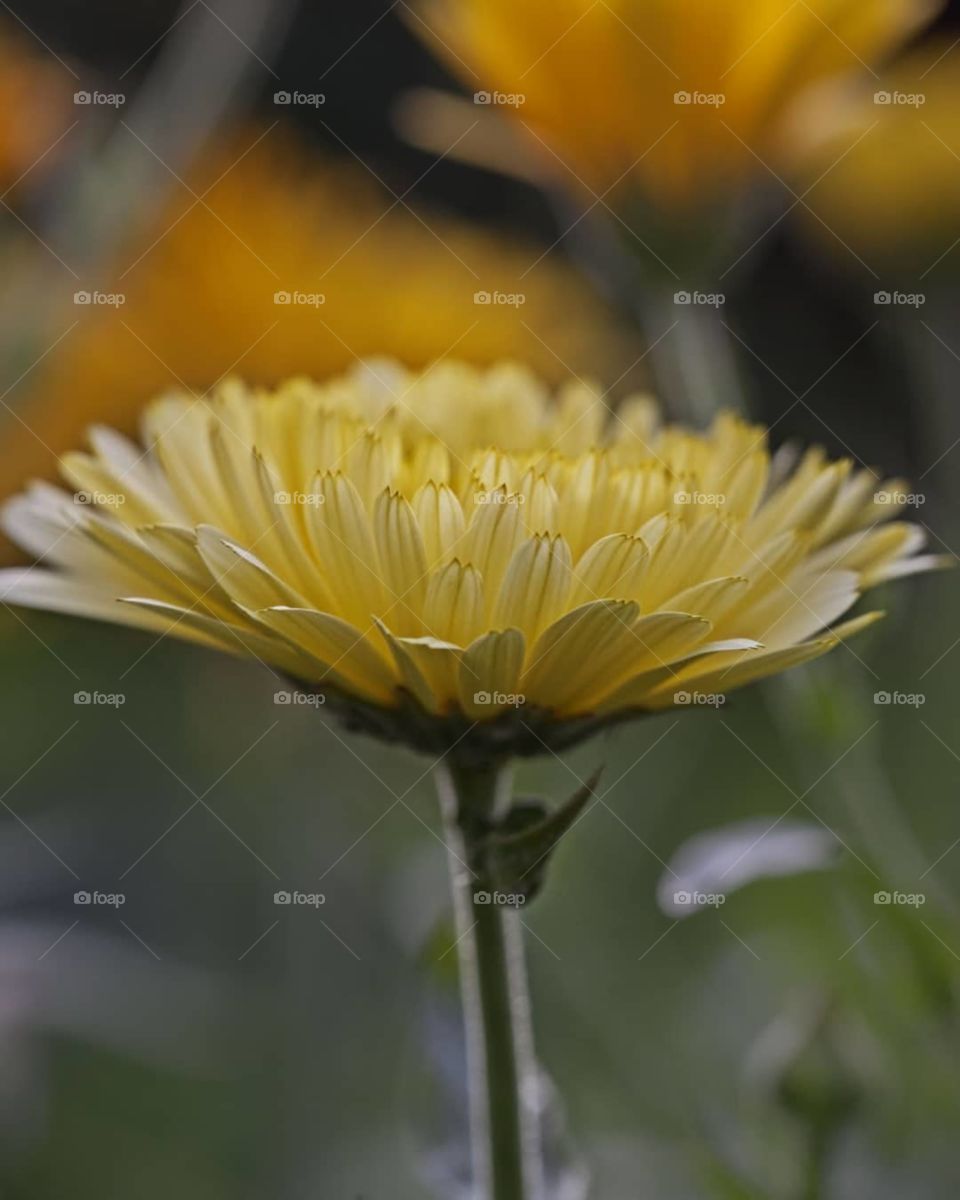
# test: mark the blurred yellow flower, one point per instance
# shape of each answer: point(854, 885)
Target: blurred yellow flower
point(675, 101)
point(459, 548)
point(289, 261)
point(894, 194)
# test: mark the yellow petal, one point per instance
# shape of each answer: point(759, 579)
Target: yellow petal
point(612, 568)
point(403, 561)
point(580, 656)
point(342, 651)
point(535, 587)
point(34, 587)
point(441, 522)
point(453, 606)
point(429, 669)
point(493, 534)
point(808, 605)
point(490, 673)
point(238, 571)
point(342, 540)
point(665, 637)
point(716, 599)
point(239, 637)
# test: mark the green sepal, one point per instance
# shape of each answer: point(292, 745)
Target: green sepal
point(519, 848)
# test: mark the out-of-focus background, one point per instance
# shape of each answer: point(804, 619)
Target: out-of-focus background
point(267, 189)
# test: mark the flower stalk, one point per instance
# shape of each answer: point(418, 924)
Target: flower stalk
point(693, 356)
point(501, 1068)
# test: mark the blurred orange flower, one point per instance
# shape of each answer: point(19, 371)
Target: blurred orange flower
point(894, 196)
point(674, 101)
point(36, 103)
point(290, 266)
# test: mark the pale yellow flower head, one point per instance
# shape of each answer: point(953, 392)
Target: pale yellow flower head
point(459, 555)
point(677, 100)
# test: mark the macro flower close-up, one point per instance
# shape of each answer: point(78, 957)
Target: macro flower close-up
point(478, 634)
point(463, 542)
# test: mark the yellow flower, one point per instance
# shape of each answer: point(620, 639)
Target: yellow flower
point(198, 285)
point(674, 99)
point(457, 551)
point(896, 142)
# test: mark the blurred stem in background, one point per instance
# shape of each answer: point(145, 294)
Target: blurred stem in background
point(819, 1147)
point(501, 1069)
point(692, 352)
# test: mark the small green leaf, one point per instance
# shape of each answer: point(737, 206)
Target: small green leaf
point(518, 850)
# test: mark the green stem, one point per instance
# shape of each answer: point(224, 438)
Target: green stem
point(695, 363)
point(815, 1169)
point(501, 1068)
